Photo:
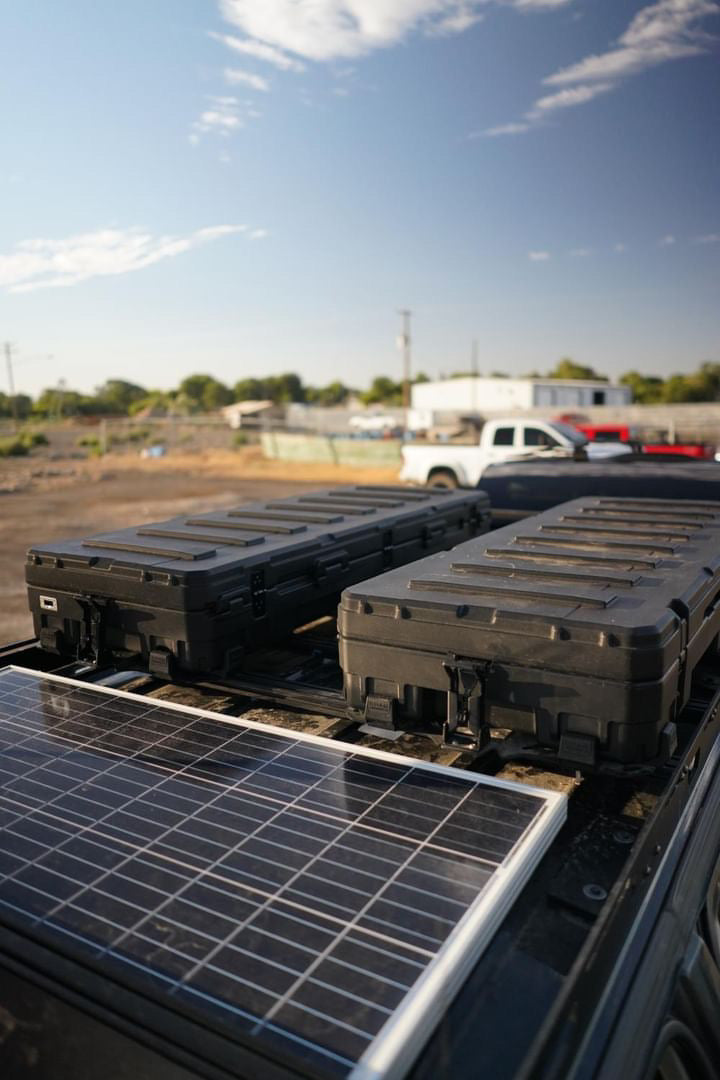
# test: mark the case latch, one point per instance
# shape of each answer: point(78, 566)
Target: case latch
point(92, 645)
point(464, 722)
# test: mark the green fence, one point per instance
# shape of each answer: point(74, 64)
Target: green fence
point(370, 453)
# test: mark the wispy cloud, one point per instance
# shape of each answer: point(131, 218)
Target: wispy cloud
point(48, 263)
point(235, 76)
point(566, 99)
point(619, 248)
point(663, 31)
point(666, 30)
point(515, 128)
point(538, 256)
point(321, 30)
point(258, 49)
point(221, 118)
point(225, 116)
point(580, 253)
point(708, 238)
point(666, 241)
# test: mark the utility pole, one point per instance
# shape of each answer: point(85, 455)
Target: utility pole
point(404, 342)
point(11, 382)
point(59, 398)
point(474, 370)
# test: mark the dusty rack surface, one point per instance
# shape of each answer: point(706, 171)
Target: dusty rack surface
point(534, 1005)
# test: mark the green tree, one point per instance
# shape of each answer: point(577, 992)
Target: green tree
point(383, 391)
point(117, 395)
point(284, 388)
point(646, 389)
point(203, 393)
point(335, 393)
point(250, 390)
point(59, 402)
point(277, 388)
point(568, 369)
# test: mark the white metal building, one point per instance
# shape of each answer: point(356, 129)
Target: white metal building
point(476, 394)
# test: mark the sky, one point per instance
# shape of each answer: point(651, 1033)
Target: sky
point(246, 187)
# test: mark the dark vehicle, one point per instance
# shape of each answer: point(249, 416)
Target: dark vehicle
point(519, 489)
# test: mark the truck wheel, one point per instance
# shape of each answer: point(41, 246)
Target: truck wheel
point(443, 478)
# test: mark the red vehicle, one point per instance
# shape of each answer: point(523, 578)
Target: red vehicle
point(641, 444)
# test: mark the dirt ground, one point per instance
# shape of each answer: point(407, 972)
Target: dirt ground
point(44, 500)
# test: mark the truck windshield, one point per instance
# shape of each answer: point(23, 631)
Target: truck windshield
point(571, 434)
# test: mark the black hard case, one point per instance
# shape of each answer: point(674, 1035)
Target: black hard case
point(520, 488)
point(197, 592)
point(581, 627)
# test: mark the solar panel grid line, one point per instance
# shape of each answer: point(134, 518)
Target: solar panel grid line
point(85, 828)
point(268, 896)
point(134, 853)
point(362, 912)
point(384, 830)
point(299, 873)
point(345, 853)
point(390, 1057)
point(223, 942)
point(96, 886)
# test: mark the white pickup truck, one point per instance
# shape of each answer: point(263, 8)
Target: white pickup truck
point(455, 464)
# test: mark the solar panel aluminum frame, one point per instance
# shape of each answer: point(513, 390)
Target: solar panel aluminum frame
point(393, 1049)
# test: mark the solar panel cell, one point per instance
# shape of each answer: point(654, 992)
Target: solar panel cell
point(295, 895)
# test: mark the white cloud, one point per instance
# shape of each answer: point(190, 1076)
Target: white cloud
point(580, 253)
point(225, 116)
point(247, 78)
point(259, 50)
point(45, 263)
point(538, 256)
point(222, 118)
point(503, 129)
point(666, 241)
point(708, 238)
point(663, 31)
point(259, 234)
point(323, 30)
point(564, 99)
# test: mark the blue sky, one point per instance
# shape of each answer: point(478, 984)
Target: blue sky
point(253, 186)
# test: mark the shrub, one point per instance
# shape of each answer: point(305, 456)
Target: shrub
point(240, 438)
point(13, 446)
point(34, 438)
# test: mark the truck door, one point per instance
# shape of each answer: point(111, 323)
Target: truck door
point(536, 439)
point(503, 441)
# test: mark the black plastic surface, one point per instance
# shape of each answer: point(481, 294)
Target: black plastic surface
point(197, 592)
point(530, 487)
point(580, 627)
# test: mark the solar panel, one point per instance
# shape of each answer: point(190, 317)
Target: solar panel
point(311, 901)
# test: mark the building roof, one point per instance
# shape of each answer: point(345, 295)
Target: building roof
point(246, 408)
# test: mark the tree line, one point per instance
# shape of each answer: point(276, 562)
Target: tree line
point(204, 393)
